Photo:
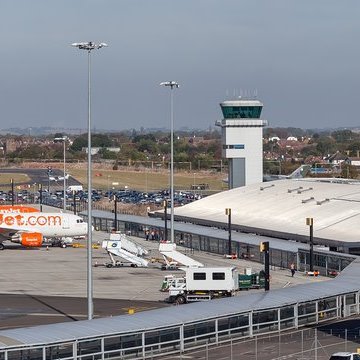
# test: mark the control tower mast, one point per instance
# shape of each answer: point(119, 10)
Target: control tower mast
point(241, 132)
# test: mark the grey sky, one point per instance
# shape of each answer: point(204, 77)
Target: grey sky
point(302, 57)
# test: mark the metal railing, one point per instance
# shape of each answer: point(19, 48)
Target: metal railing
point(251, 327)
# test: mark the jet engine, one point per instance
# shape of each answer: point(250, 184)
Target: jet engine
point(31, 239)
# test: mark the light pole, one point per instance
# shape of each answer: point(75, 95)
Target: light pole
point(173, 85)
point(49, 172)
point(165, 217)
point(310, 223)
point(12, 192)
point(115, 213)
point(265, 248)
point(63, 139)
point(40, 198)
point(228, 213)
point(89, 46)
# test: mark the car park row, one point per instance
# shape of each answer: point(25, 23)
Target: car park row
point(55, 197)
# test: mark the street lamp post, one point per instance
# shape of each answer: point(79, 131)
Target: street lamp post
point(228, 213)
point(115, 212)
point(173, 85)
point(63, 139)
point(40, 196)
point(165, 218)
point(265, 248)
point(12, 192)
point(89, 46)
point(49, 172)
point(310, 223)
point(74, 201)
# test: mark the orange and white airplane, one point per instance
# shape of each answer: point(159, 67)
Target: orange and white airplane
point(30, 228)
point(17, 209)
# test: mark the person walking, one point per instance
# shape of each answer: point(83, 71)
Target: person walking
point(292, 269)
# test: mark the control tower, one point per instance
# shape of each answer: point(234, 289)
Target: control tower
point(241, 132)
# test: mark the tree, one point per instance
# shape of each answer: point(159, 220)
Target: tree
point(325, 146)
point(107, 154)
point(341, 136)
point(79, 143)
point(139, 138)
point(309, 150)
point(181, 157)
point(147, 145)
point(128, 151)
point(58, 135)
point(34, 151)
point(271, 146)
point(202, 161)
point(354, 148)
point(315, 136)
point(349, 172)
point(97, 140)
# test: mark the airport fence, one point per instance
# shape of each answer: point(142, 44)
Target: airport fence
point(305, 344)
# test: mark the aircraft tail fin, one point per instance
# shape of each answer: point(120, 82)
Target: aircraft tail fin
point(300, 172)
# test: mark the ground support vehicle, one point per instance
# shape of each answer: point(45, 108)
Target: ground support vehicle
point(203, 284)
point(171, 280)
point(345, 356)
point(173, 257)
point(119, 245)
point(62, 242)
point(170, 265)
point(252, 281)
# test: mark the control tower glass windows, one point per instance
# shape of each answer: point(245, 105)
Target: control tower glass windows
point(242, 112)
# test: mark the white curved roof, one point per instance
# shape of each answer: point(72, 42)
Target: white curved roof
point(281, 207)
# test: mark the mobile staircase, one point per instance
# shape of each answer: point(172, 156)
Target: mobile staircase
point(173, 258)
point(120, 245)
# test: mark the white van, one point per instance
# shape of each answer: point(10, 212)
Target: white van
point(74, 188)
point(345, 356)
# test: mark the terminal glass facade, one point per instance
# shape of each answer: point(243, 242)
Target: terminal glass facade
point(326, 263)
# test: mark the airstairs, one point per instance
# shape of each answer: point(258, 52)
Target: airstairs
point(119, 245)
point(173, 257)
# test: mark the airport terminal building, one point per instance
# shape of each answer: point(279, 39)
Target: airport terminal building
point(280, 208)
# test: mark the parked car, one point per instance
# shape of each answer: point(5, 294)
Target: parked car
point(345, 356)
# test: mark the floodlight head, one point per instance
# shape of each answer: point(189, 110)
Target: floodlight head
point(88, 45)
point(58, 139)
point(81, 45)
point(172, 84)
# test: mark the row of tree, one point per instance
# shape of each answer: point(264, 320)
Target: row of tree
point(204, 147)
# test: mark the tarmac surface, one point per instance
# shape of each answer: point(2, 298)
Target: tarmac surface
point(37, 176)
point(45, 285)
